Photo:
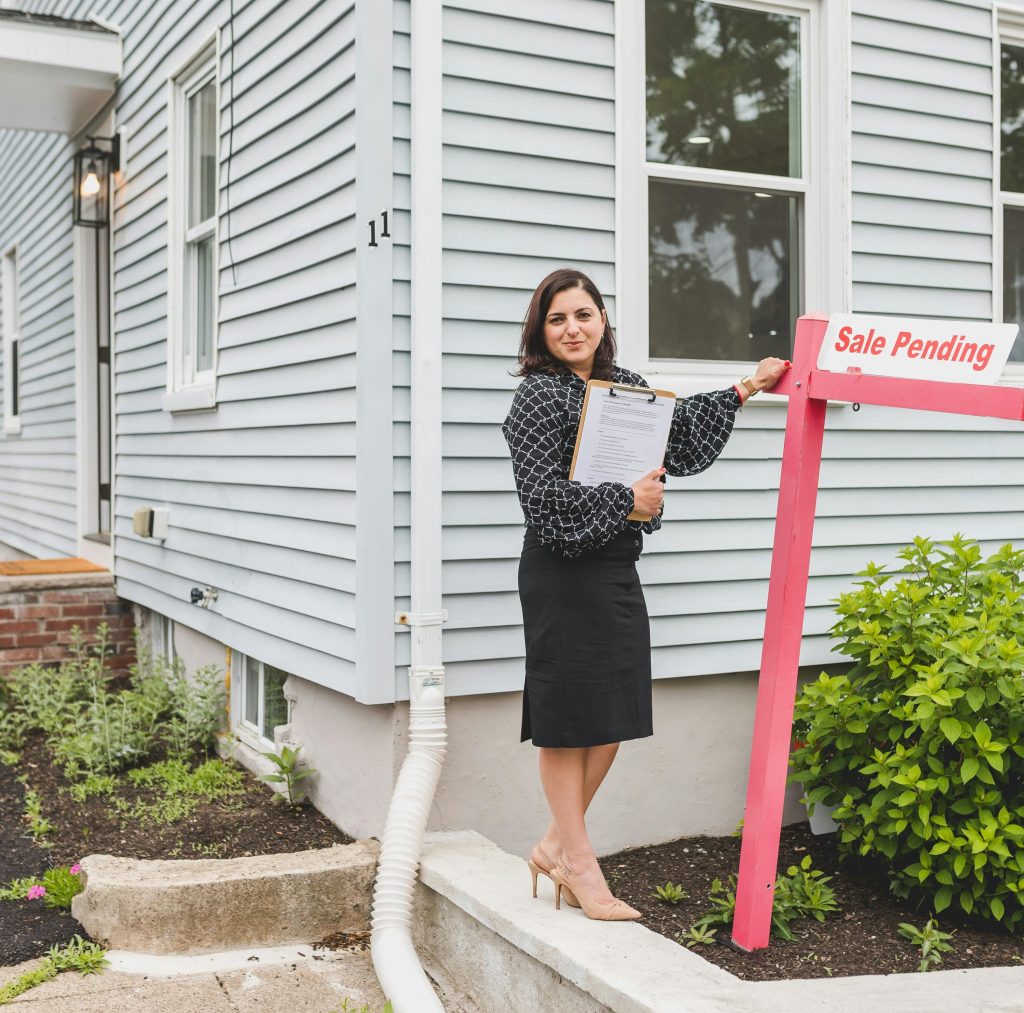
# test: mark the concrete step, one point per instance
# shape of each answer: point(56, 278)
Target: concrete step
point(205, 905)
point(476, 924)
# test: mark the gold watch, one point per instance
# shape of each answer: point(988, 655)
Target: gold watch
point(748, 385)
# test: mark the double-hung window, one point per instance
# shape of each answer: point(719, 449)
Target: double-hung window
point(721, 202)
point(11, 341)
point(1011, 182)
point(192, 310)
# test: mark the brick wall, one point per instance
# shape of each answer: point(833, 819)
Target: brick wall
point(37, 615)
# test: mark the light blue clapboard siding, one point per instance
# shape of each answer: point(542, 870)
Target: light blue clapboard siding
point(37, 467)
point(522, 195)
point(261, 491)
point(922, 158)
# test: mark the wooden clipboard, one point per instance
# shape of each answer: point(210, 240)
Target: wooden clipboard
point(649, 391)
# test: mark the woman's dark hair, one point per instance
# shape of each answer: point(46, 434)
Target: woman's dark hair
point(534, 356)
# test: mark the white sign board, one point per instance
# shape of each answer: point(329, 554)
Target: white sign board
point(954, 350)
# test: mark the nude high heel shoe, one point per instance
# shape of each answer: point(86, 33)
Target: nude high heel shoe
point(605, 911)
point(540, 864)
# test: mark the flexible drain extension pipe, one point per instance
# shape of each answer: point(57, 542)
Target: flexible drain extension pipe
point(398, 968)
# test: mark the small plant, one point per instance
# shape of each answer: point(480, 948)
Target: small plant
point(930, 940)
point(698, 935)
point(56, 887)
point(671, 893)
point(288, 772)
point(802, 892)
point(94, 784)
point(78, 955)
point(38, 825)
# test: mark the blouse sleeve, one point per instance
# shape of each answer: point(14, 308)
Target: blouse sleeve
point(701, 426)
point(567, 514)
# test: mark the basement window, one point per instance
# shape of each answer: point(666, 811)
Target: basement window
point(260, 705)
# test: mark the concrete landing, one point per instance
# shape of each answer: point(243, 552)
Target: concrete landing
point(476, 922)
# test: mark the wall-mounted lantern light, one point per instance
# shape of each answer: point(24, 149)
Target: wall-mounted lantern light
point(94, 167)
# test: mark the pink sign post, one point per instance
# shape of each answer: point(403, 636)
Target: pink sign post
point(938, 353)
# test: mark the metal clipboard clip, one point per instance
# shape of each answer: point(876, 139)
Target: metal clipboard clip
point(627, 391)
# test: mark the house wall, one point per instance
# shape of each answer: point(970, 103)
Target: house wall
point(529, 185)
point(37, 466)
point(261, 490)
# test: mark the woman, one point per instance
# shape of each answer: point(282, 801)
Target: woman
point(588, 652)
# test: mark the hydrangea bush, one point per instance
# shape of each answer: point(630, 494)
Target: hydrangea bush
point(921, 744)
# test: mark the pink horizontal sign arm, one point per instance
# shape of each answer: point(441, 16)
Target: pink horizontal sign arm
point(923, 395)
point(780, 652)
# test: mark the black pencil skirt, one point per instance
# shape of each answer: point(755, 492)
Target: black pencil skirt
point(588, 645)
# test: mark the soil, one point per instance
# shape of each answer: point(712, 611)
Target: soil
point(861, 938)
point(256, 822)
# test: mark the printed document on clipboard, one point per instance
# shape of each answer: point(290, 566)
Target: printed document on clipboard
point(623, 434)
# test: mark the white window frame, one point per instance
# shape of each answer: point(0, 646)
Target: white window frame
point(162, 637)
point(187, 389)
point(251, 735)
point(1008, 29)
point(10, 305)
point(824, 241)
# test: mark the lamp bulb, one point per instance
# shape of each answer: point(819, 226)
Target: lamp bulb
point(91, 183)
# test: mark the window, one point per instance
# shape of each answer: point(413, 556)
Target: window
point(727, 231)
point(192, 310)
point(11, 338)
point(260, 703)
point(162, 628)
point(1011, 181)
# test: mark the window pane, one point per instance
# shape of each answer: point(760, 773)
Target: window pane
point(1013, 276)
point(251, 703)
point(722, 273)
point(275, 705)
point(202, 132)
point(204, 279)
point(723, 87)
point(1012, 126)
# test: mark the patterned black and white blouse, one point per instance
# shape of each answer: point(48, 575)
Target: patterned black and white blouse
point(541, 434)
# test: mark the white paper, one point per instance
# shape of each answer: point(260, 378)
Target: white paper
point(624, 436)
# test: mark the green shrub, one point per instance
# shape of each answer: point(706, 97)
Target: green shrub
point(96, 729)
point(921, 744)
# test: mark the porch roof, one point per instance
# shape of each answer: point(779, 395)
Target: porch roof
point(55, 73)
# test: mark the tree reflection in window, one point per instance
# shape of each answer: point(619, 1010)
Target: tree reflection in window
point(1012, 116)
point(721, 279)
point(723, 87)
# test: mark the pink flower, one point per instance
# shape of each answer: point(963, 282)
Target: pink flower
point(75, 869)
point(35, 892)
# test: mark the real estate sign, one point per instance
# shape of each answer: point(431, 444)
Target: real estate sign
point(960, 351)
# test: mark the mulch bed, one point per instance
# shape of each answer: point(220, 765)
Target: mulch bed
point(256, 822)
point(861, 938)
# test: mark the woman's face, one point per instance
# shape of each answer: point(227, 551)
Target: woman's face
point(573, 328)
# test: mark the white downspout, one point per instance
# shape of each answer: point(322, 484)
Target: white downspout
point(398, 968)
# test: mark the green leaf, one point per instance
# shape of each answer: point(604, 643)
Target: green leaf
point(943, 898)
point(969, 769)
point(950, 728)
point(975, 698)
point(982, 734)
point(996, 907)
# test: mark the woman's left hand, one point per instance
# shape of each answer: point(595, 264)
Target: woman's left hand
point(769, 372)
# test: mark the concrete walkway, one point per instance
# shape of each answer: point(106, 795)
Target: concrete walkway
point(267, 984)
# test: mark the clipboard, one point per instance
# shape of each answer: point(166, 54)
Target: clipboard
point(614, 389)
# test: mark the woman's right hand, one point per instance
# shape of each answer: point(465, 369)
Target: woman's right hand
point(649, 493)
